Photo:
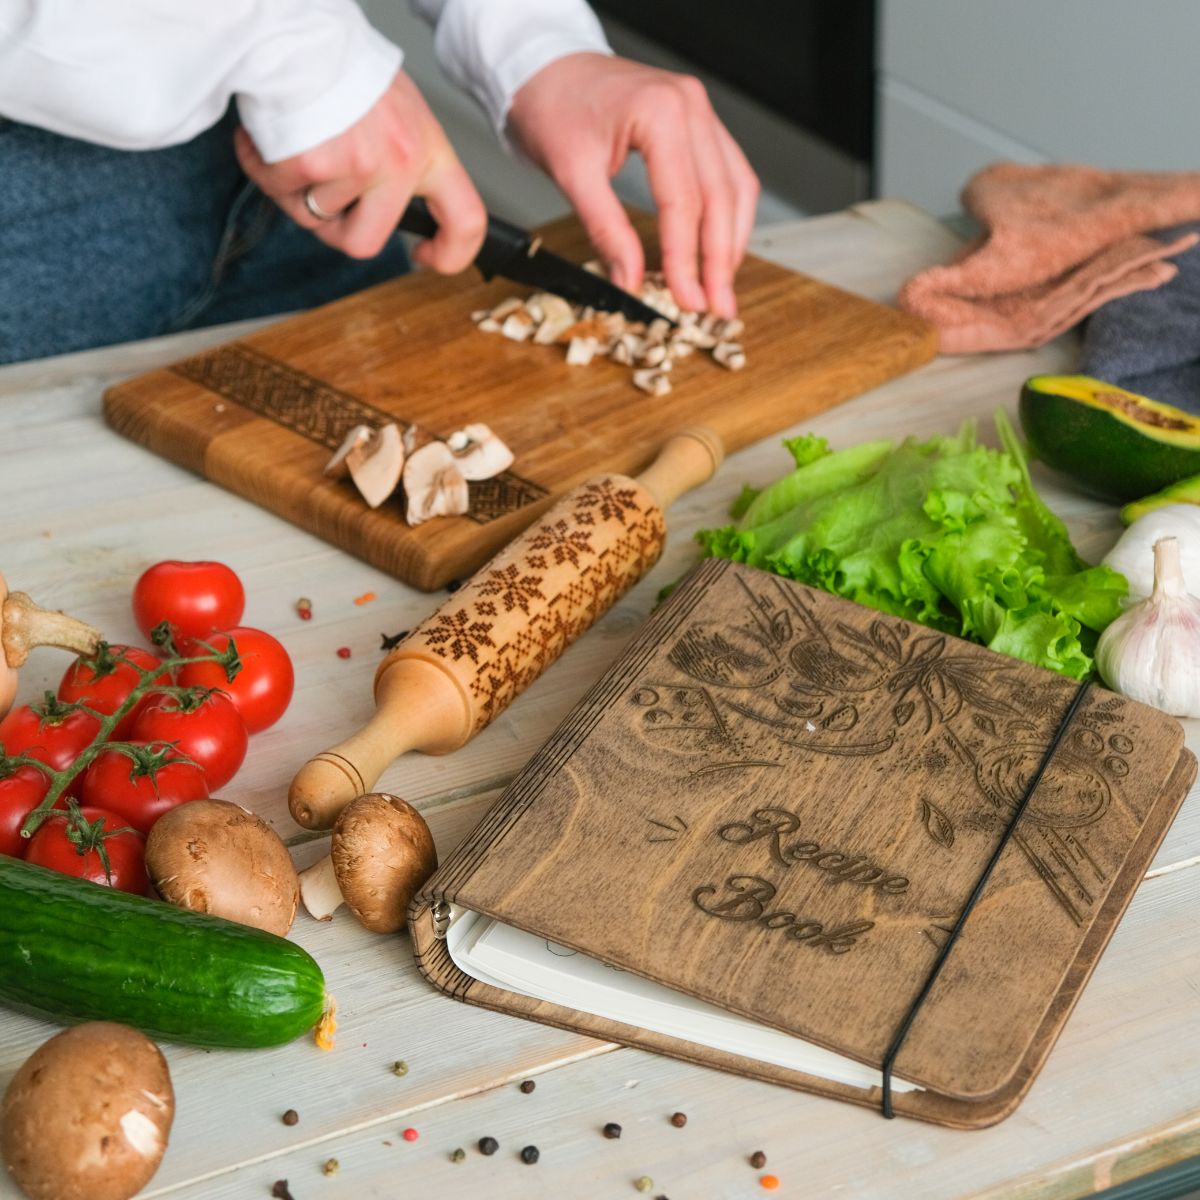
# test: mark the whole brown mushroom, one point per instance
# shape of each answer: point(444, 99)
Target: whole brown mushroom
point(88, 1114)
point(380, 853)
point(215, 857)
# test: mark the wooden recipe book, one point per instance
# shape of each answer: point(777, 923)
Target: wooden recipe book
point(750, 842)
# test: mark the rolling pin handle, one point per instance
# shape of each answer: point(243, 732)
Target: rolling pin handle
point(689, 458)
point(418, 707)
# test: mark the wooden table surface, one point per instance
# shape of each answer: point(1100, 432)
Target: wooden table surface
point(86, 512)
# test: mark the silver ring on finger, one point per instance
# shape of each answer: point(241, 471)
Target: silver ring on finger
point(310, 202)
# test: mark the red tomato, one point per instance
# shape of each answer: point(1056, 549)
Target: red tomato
point(104, 681)
point(52, 847)
point(52, 732)
point(21, 791)
point(261, 690)
point(205, 727)
point(141, 786)
point(195, 597)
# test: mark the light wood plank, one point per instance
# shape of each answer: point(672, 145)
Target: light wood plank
point(1120, 1092)
point(110, 509)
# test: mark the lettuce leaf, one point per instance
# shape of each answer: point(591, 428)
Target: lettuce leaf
point(945, 532)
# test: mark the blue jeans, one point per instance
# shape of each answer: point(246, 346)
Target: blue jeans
point(100, 246)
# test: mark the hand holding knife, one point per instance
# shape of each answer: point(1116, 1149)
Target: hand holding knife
point(514, 254)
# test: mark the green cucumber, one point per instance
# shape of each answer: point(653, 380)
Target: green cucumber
point(1118, 444)
point(71, 950)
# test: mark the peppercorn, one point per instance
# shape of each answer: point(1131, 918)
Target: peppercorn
point(458, 1154)
point(643, 1183)
point(612, 1130)
point(343, 652)
point(331, 1166)
point(530, 1155)
point(304, 608)
point(410, 1135)
point(400, 1067)
point(679, 1120)
point(291, 1117)
point(528, 1086)
point(488, 1145)
point(758, 1160)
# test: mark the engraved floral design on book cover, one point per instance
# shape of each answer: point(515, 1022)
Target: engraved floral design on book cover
point(780, 687)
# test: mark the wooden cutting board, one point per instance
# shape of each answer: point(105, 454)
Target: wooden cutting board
point(262, 415)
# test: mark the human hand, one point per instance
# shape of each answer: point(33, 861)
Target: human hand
point(579, 117)
point(369, 173)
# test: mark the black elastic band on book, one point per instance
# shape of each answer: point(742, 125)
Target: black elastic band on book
point(894, 1049)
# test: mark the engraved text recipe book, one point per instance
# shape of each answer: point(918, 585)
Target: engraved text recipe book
point(749, 843)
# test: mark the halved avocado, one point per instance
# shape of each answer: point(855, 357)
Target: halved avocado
point(1114, 442)
point(1183, 491)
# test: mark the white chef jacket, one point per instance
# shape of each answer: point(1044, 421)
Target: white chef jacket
point(141, 74)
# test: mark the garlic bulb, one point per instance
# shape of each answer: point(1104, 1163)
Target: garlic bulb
point(1132, 557)
point(1152, 652)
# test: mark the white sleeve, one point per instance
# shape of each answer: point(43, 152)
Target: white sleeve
point(141, 74)
point(491, 47)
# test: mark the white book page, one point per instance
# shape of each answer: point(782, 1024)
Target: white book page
point(509, 958)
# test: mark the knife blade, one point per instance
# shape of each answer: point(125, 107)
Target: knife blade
point(513, 253)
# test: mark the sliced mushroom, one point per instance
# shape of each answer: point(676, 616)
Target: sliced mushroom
point(479, 453)
point(376, 465)
point(337, 467)
point(433, 485)
point(380, 853)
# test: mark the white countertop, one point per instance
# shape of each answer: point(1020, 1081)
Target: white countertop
point(86, 512)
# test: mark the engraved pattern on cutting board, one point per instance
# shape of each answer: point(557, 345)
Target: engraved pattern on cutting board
point(325, 414)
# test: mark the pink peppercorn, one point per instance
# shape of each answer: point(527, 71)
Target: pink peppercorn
point(411, 1135)
point(343, 652)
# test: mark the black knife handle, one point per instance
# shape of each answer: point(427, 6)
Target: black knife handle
point(501, 243)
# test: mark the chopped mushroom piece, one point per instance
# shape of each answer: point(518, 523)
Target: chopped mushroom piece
point(730, 354)
point(652, 381)
point(545, 318)
point(376, 465)
point(479, 453)
point(434, 485)
point(518, 326)
point(337, 467)
point(581, 351)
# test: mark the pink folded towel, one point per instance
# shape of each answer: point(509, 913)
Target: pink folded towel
point(1058, 242)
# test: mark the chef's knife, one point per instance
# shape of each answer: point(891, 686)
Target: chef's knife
point(513, 253)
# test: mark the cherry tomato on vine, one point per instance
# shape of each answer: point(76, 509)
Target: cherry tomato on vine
point(52, 732)
point(104, 681)
point(195, 597)
point(141, 783)
point(262, 689)
point(21, 791)
point(57, 846)
point(204, 725)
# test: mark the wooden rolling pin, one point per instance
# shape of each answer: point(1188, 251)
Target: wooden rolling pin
point(493, 637)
